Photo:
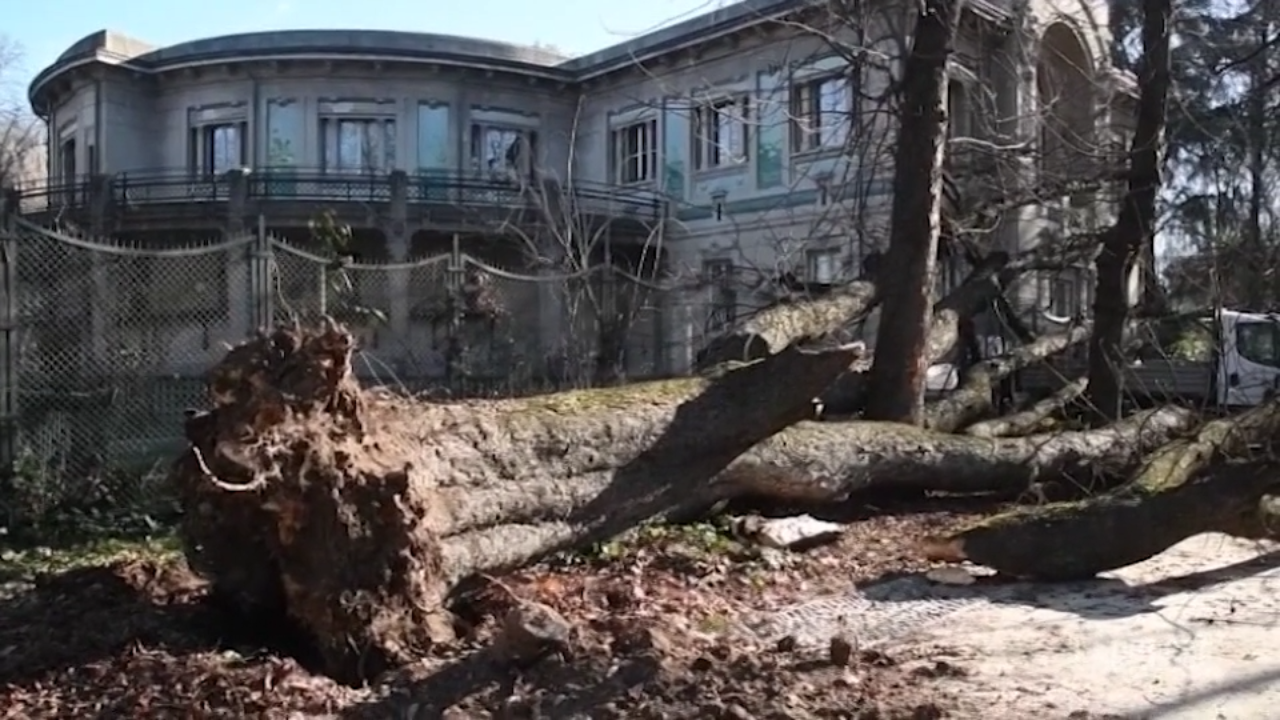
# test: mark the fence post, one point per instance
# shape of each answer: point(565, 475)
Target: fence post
point(262, 273)
point(236, 184)
point(9, 361)
point(399, 246)
point(101, 188)
point(455, 283)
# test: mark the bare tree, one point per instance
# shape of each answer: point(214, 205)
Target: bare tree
point(1124, 243)
point(22, 137)
point(603, 281)
point(898, 375)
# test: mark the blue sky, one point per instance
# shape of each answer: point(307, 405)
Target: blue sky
point(46, 28)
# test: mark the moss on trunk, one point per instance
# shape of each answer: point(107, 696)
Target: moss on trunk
point(1182, 489)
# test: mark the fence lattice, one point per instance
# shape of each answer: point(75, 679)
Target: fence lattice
point(113, 339)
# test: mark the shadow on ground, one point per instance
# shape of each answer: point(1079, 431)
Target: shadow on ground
point(140, 639)
point(1100, 599)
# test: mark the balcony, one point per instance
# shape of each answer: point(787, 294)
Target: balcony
point(422, 197)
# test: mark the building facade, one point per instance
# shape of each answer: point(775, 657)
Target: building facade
point(751, 144)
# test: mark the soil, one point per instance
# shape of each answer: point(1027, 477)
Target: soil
point(138, 638)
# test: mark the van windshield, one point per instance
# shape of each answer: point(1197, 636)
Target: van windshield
point(1259, 342)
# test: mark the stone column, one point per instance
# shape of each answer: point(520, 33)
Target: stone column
point(677, 332)
point(553, 330)
point(399, 244)
point(102, 300)
point(235, 183)
point(240, 271)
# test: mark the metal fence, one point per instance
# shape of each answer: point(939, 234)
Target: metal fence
point(103, 345)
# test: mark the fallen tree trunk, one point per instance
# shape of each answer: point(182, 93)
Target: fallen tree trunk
point(494, 525)
point(308, 497)
point(984, 284)
point(1178, 492)
point(779, 326)
point(974, 399)
point(1032, 419)
point(354, 513)
point(821, 462)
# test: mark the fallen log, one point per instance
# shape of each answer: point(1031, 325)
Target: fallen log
point(776, 327)
point(1182, 489)
point(974, 399)
point(1036, 418)
point(978, 291)
point(822, 462)
point(309, 498)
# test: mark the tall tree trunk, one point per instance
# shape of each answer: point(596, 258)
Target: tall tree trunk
point(1256, 269)
point(898, 374)
point(1136, 225)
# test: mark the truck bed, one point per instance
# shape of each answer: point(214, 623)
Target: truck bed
point(1182, 379)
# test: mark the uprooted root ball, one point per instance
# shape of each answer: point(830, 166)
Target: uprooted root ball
point(282, 478)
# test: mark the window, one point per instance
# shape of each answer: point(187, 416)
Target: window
point(364, 145)
point(720, 133)
point(67, 160)
point(959, 111)
point(949, 274)
point(635, 152)
point(1064, 298)
point(502, 151)
point(822, 266)
point(1259, 342)
point(724, 297)
point(67, 154)
point(216, 149)
point(821, 113)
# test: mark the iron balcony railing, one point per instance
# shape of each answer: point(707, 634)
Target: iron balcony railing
point(457, 189)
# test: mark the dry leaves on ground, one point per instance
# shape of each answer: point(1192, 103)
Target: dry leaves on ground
point(650, 636)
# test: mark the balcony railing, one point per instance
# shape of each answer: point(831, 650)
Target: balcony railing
point(460, 190)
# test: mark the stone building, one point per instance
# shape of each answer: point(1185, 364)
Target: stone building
point(748, 143)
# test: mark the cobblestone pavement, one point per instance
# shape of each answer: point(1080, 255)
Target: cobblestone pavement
point(885, 612)
point(1182, 635)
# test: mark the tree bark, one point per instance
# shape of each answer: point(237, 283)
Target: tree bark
point(1183, 489)
point(985, 284)
point(1033, 419)
point(973, 400)
point(821, 462)
point(1135, 228)
point(898, 374)
point(344, 509)
point(776, 327)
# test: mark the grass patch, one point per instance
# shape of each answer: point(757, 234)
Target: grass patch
point(26, 563)
point(705, 539)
